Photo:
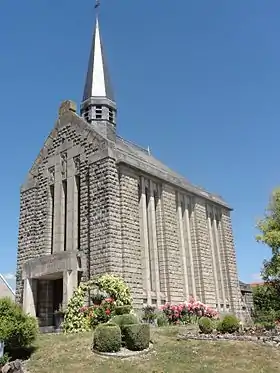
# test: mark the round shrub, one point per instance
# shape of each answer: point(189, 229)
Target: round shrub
point(17, 329)
point(123, 310)
point(136, 336)
point(205, 325)
point(122, 320)
point(229, 324)
point(107, 338)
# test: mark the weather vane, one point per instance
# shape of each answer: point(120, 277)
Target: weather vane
point(97, 4)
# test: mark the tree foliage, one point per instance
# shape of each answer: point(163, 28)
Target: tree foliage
point(269, 235)
point(17, 329)
point(266, 299)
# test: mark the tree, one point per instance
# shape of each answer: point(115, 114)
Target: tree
point(269, 228)
point(266, 299)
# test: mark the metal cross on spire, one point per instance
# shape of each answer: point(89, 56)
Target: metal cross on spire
point(97, 4)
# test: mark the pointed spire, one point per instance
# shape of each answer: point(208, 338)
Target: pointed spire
point(97, 80)
point(99, 107)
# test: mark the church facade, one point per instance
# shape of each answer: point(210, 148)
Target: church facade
point(95, 203)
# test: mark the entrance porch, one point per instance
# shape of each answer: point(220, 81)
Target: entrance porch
point(49, 283)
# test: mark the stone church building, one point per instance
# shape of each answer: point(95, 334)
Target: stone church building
point(96, 203)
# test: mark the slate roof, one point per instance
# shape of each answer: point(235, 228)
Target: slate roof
point(245, 287)
point(5, 289)
point(139, 153)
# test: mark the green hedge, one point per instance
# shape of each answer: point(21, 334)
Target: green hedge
point(122, 320)
point(122, 310)
point(229, 324)
point(136, 336)
point(205, 325)
point(17, 329)
point(107, 338)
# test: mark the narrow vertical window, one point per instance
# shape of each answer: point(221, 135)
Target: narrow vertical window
point(78, 184)
point(149, 235)
point(157, 222)
point(64, 187)
point(155, 199)
point(139, 192)
point(182, 210)
point(52, 215)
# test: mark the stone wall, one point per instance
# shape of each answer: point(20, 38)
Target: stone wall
point(231, 265)
point(204, 254)
point(105, 221)
point(75, 139)
point(130, 229)
point(27, 235)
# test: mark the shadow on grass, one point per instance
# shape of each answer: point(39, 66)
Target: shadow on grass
point(23, 353)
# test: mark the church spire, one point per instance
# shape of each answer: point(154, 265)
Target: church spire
point(98, 106)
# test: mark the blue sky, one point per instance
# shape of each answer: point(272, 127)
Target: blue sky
point(196, 81)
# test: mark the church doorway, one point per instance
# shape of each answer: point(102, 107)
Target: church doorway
point(49, 300)
point(57, 294)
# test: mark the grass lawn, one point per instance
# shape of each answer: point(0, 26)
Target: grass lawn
point(72, 353)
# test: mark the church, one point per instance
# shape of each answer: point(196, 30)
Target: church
point(96, 203)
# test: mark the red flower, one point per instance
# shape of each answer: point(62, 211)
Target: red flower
point(107, 312)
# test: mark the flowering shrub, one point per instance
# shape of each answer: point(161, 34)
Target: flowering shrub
point(183, 313)
point(79, 319)
point(98, 314)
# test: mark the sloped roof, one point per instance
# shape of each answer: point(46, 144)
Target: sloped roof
point(245, 287)
point(5, 289)
point(138, 153)
point(129, 153)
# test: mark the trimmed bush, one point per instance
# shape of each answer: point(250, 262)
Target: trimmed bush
point(137, 336)
point(123, 310)
point(229, 324)
point(205, 325)
point(122, 320)
point(17, 329)
point(107, 338)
